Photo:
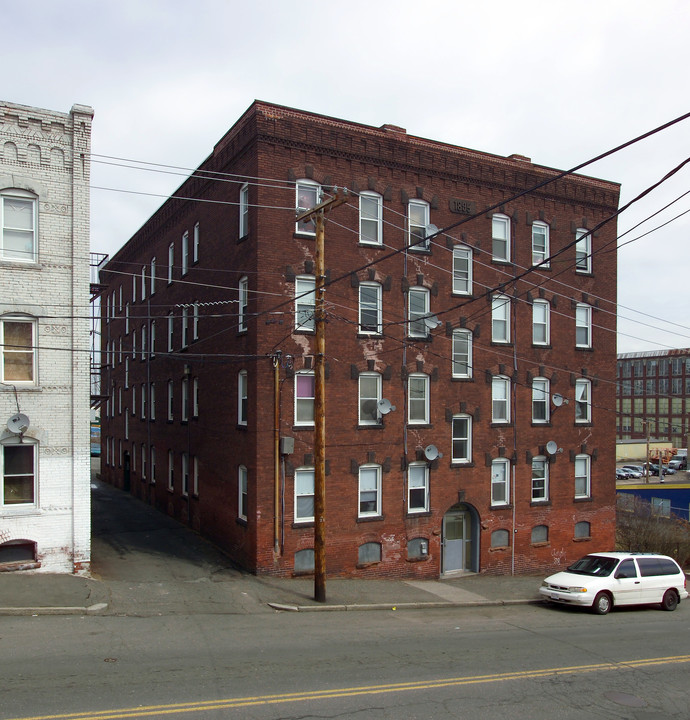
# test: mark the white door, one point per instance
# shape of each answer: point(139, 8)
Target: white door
point(457, 541)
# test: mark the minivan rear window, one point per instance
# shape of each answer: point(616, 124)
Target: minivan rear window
point(657, 566)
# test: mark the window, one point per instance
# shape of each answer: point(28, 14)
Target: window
point(304, 494)
point(540, 244)
point(583, 251)
point(462, 354)
point(540, 400)
point(195, 320)
point(418, 311)
point(540, 479)
point(143, 401)
point(18, 241)
point(134, 289)
point(582, 476)
point(582, 529)
point(417, 222)
point(369, 553)
point(195, 245)
point(152, 286)
point(308, 196)
point(18, 472)
point(500, 482)
point(500, 399)
point(417, 487)
point(583, 401)
point(185, 253)
point(152, 402)
point(242, 397)
point(500, 538)
point(418, 399)
point(171, 470)
point(143, 342)
point(243, 299)
point(369, 396)
point(370, 218)
point(134, 399)
point(195, 397)
point(244, 210)
point(462, 270)
point(185, 399)
point(304, 398)
point(143, 282)
point(417, 548)
point(462, 439)
point(185, 326)
point(242, 492)
point(185, 473)
point(369, 490)
point(153, 464)
point(171, 331)
point(541, 316)
point(583, 326)
point(540, 534)
point(370, 308)
point(500, 319)
point(500, 238)
point(17, 338)
point(171, 261)
point(195, 475)
point(305, 300)
point(170, 399)
point(304, 561)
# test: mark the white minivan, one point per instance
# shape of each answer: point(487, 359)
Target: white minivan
point(605, 579)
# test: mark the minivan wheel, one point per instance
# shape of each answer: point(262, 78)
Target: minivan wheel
point(602, 603)
point(670, 600)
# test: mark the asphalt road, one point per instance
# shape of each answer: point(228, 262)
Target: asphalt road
point(509, 662)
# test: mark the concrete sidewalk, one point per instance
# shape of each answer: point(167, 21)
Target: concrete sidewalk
point(144, 564)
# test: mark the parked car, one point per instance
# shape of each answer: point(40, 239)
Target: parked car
point(632, 473)
point(679, 464)
point(605, 580)
point(636, 468)
point(668, 470)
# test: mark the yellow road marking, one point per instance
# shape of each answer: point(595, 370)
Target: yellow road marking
point(233, 703)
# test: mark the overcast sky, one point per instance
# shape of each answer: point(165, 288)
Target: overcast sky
point(559, 82)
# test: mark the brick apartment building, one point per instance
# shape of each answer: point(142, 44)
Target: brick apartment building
point(208, 315)
point(653, 394)
point(45, 521)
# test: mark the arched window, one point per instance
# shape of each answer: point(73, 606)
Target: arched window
point(369, 553)
point(540, 534)
point(499, 538)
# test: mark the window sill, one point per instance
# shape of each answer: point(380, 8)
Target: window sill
point(462, 379)
point(421, 558)
point(302, 427)
point(540, 544)
point(503, 548)
point(304, 235)
point(17, 566)
point(411, 514)
point(501, 343)
point(420, 425)
point(581, 348)
point(583, 499)
point(508, 506)
point(304, 331)
point(501, 424)
point(589, 423)
point(501, 261)
point(420, 250)
point(242, 522)
point(582, 539)
point(242, 427)
point(462, 464)
point(302, 525)
point(370, 518)
point(369, 335)
point(540, 503)
point(542, 346)
point(542, 423)
point(585, 273)
point(370, 426)
point(362, 243)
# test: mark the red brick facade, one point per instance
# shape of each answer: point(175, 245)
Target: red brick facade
point(389, 511)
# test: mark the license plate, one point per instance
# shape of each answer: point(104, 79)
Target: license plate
point(555, 597)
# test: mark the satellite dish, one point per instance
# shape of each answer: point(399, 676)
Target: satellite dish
point(431, 453)
point(18, 424)
point(431, 322)
point(385, 406)
point(551, 447)
point(557, 399)
point(431, 230)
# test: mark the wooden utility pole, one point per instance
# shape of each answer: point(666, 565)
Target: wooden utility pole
point(318, 215)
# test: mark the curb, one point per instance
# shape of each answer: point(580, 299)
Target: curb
point(97, 609)
point(283, 607)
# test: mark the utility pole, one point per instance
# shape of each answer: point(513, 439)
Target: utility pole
point(317, 213)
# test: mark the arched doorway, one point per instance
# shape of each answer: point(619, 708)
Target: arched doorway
point(460, 540)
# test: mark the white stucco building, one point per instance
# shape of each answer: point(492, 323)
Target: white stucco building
point(44, 338)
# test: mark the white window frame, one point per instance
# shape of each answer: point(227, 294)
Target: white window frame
point(153, 464)
point(370, 305)
point(500, 482)
point(583, 251)
point(242, 398)
point(583, 401)
point(171, 470)
point(143, 282)
point(242, 300)
point(500, 238)
point(31, 201)
point(366, 398)
point(500, 319)
point(370, 218)
point(7, 351)
point(143, 461)
point(583, 476)
point(418, 301)
point(303, 190)
point(583, 324)
point(305, 303)
point(195, 320)
point(18, 507)
point(242, 492)
point(185, 325)
point(152, 279)
point(418, 406)
point(196, 242)
point(171, 400)
point(185, 252)
point(244, 211)
point(185, 399)
point(134, 288)
point(462, 270)
point(500, 399)
point(541, 322)
point(171, 261)
point(540, 479)
point(302, 402)
point(152, 401)
point(540, 244)
point(417, 480)
point(195, 475)
point(541, 396)
point(152, 339)
point(367, 489)
point(144, 395)
point(185, 473)
point(461, 364)
point(461, 433)
point(195, 397)
point(303, 491)
point(171, 331)
point(417, 223)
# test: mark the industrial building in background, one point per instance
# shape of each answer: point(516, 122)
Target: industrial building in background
point(45, 159)
point(469, 371)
